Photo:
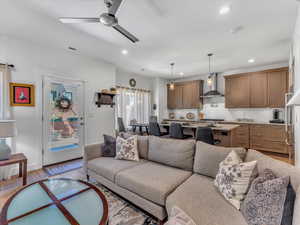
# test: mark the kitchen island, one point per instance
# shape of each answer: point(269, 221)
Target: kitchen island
point(222, 132)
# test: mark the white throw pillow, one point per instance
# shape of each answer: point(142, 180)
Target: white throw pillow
point(235, 177)
point(127, 148)
point(179, 217)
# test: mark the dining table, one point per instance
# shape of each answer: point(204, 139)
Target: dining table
point(140, 127)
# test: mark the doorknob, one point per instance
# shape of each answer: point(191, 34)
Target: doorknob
point(81, 123)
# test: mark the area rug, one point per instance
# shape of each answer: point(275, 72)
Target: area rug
point(63, 168)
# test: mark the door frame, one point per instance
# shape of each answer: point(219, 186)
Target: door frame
point(54, 77)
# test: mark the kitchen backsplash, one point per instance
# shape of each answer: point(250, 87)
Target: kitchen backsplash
point(218, 111)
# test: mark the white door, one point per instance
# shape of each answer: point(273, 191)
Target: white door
point(63, 119)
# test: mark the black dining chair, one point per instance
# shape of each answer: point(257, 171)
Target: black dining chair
point(121, 125)
point(205, 134)
point(176, 131)
point(154, 129)
point(153, 119)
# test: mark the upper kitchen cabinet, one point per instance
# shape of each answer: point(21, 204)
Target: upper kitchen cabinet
point(277, 87)
point(256, 90)
point(186, 95)
point(237, 91)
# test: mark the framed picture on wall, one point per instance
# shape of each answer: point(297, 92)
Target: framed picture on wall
point(22, 94)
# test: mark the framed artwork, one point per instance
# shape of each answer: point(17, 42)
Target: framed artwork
point(21, 94)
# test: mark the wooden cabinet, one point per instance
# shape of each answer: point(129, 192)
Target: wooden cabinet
point(186, 95)
point(237, 91)
point(277, 87)
point(270, 138)
point(241, 136)
point(257, 89)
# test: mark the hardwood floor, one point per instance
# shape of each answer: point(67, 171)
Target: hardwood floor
point(8, 187)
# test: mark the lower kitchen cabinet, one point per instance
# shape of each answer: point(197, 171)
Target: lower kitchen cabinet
point(262, 137)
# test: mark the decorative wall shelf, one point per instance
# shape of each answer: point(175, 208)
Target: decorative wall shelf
point(105, 99)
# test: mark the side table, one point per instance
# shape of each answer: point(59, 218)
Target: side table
point(20, 159)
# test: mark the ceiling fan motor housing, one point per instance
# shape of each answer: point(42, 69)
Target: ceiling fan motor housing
point(108, 19)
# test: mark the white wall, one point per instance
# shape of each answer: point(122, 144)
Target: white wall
point(296, 51)
point(143, 82)
point(214, 108)
point(33, 61)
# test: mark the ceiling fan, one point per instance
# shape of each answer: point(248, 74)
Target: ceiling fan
point(108, 19)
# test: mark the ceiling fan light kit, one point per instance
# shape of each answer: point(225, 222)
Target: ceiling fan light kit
point(108, 19)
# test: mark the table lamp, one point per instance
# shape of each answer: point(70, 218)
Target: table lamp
point(7, 129)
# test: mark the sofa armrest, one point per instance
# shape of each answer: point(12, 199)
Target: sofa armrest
point(91, 152)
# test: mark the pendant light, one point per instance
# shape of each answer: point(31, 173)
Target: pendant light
point(209, 79)
point(172, 85)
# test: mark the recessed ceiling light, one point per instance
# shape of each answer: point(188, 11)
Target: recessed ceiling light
point(224, 10)
point(181, 73)
point(251, 60)
point(125, 52)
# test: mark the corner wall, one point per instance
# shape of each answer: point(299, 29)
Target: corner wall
point(32, 62)
point(296, 54)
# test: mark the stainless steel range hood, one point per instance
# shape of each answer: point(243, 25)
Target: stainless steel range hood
point(213, 92)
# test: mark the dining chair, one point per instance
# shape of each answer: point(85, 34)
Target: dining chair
point(205, 134)
point(154, 129)
point(176, 131)
point(153, 119)
point(121, 125)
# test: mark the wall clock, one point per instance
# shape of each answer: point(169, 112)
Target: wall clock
point(132, 82)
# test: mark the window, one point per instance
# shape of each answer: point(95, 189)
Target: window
point(133, 104)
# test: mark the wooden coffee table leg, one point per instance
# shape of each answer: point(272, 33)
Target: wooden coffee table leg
point(20, 169)
point(25, 172)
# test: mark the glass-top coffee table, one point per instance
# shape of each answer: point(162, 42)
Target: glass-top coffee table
point(56, 202)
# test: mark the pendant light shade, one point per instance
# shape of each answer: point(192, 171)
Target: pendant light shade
point(172, 84)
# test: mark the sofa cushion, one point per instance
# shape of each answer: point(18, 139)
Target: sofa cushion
point(208, 157)
point(281, 169)
point(199, 199)
point(152, 181)
point(143, 146)
point(108, 167)
point(171, 152)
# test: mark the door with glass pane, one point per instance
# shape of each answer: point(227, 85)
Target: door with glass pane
point(63, 119)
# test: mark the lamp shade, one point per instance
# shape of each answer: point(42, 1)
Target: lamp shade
point(295, 100)
point(8, 128)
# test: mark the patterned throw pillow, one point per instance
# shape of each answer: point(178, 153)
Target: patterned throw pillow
point(127, 149)
point(234, 178)
point(264, 203)
point(179, 217)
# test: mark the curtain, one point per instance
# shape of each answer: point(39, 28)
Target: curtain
point(133, 105)
point(5, 111)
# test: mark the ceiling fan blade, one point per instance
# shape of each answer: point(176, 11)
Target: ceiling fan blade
point(130, 36)
point(114, 7)
point(79, 20)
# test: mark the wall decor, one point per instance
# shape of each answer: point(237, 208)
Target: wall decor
point(22, 94)
point(132, 82)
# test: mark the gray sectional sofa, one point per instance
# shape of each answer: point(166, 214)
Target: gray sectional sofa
point(179, 173)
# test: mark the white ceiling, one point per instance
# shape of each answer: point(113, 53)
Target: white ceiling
point(169, 30)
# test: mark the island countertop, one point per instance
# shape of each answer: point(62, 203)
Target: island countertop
point(217, 127)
